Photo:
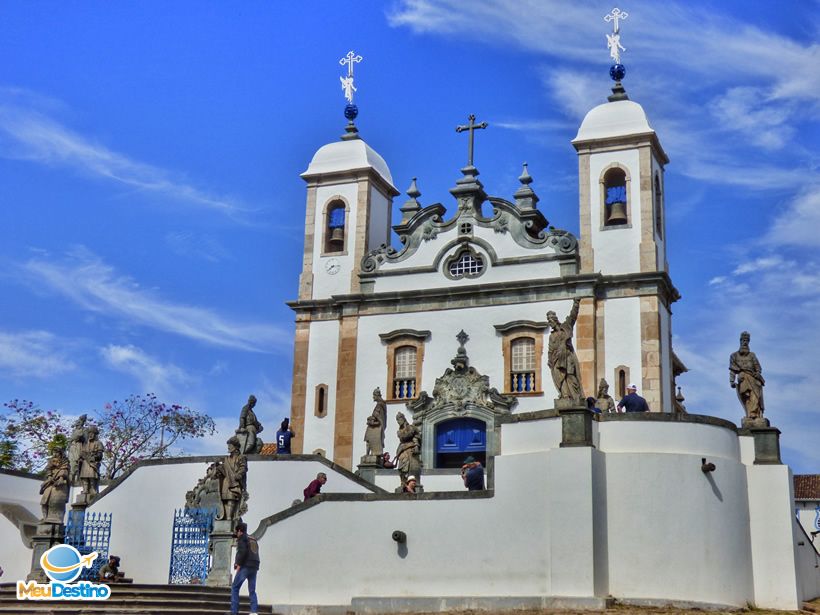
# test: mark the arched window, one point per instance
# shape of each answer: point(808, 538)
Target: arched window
point(404, 372)
point(621, 380)
point(522, 368)
point(615, 210)
point(335, 220)
point(658, 207)
point(465, 264)
point(458, 438)
point(320, 407)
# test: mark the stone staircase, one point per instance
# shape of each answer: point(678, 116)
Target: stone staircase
point(134, 599)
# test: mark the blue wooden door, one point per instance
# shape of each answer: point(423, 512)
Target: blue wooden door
point(460, 438)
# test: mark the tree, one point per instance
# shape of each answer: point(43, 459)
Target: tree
point(27, 434)
point(140, 427)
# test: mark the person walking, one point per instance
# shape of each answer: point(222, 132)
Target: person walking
point(246, 565)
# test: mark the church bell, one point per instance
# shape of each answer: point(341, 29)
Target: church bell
point(617, 213)
point(337, 237)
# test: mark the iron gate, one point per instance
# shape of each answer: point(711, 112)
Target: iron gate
point(89, 532)
point(189, 545)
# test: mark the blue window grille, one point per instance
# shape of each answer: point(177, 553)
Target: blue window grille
point(615, 194)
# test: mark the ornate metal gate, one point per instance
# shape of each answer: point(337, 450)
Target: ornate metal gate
point(189, 545)
point(89, 532)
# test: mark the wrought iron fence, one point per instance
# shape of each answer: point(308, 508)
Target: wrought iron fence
point(89, 532)
point(190, 540)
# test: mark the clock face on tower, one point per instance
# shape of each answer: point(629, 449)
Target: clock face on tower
point(332, 266)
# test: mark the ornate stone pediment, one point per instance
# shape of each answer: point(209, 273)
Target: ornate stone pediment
point(461, 390)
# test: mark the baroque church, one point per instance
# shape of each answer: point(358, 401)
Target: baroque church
point(373, 315)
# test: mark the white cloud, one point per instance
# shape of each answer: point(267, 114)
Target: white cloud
point(95, 286)
point(798, 224)
point(33, 354)
point(28, 134)
point(746, 110)
point(196, 245)
point(772, 261)
point(153, 376)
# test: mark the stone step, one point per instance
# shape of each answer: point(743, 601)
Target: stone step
point(86, 609)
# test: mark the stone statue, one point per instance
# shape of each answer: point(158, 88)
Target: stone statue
point(55, 488)
point(380, 412)
point(249, 427)
point(75, 447)
point(745, 376)
point(233, 472)
point(561, 358)
point(91, 456)
point(408, 459)
point(373, 436)
point(604, 401)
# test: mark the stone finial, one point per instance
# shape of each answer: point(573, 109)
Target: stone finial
point(412, 205)
point(525, 197)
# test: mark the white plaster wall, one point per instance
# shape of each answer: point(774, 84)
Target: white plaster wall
point(530, 436)
point(143, 506)
point(622, 323)
point(771, 507)
point(323, 352)
point(666, 359)
point(324, 284)
point(808, 564)
point(616, 250)
point(431, 482)
point(675, 533)
point(379, 223)
point(15, 557)
point(484, 349)
point(708, 441)
point(437, 279)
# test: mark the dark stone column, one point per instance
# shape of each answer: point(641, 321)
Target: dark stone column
point(576, 425)
point(767, 445)
point(222, 565)
point(47, 535)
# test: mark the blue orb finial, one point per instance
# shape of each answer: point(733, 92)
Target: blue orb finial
point(617, 72)
point(351, 111)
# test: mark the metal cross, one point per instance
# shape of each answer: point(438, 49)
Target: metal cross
point(462, 338)
point(472, 126)
point(350, 59)
point(616, 15)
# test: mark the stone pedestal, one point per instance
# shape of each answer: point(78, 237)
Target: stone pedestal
point(47, 535)
point(576, 423)
point(368, 466)
point(767, 445)
point(222, 544)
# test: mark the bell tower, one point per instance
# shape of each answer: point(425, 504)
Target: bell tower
point(623, 239)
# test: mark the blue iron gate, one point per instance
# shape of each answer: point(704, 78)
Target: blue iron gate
point(89, 532)
point(189, 545)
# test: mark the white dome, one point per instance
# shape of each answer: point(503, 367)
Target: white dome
point(347, 156)
point(613, 119)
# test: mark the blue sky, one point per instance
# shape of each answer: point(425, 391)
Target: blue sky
point(153, 212)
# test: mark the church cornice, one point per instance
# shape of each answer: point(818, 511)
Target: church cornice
point(350, 175)
point(611, 144)
point(591, 285)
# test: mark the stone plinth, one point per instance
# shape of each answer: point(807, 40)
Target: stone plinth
point(47, 535)
point(222, 542)
point(767, 445)
point(576, 423)
point(368, 466)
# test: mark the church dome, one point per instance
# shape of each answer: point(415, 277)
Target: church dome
point(613, 119)
point(350, 155)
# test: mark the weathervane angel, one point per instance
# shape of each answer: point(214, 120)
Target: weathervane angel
point(347, 82)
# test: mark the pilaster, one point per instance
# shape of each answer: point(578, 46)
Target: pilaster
point(298, 397)
point(585, 344)
point(345, 391)
point(651, 353)
point(306, 277)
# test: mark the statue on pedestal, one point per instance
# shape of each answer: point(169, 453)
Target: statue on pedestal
point(561, 358)
point(746, 377)
point(75, 448)
point(408, 460)
point(91, 456)
point(373, 437)
point(232, 472)
point(55, 488)
point(249, 427)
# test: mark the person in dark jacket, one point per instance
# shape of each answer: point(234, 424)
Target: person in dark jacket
point(246, 565)
point(632, 402)
point(473, 474)
point(283, 438)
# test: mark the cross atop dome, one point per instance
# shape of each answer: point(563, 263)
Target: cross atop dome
point(351, 110)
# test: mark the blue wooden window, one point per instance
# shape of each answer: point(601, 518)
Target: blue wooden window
point(336, 217)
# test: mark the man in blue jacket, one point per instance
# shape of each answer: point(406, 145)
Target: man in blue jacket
point(246, 566)
point(632, 402)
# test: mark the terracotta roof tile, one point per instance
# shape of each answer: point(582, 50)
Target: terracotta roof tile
point(807, 486)
point(268, 449)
